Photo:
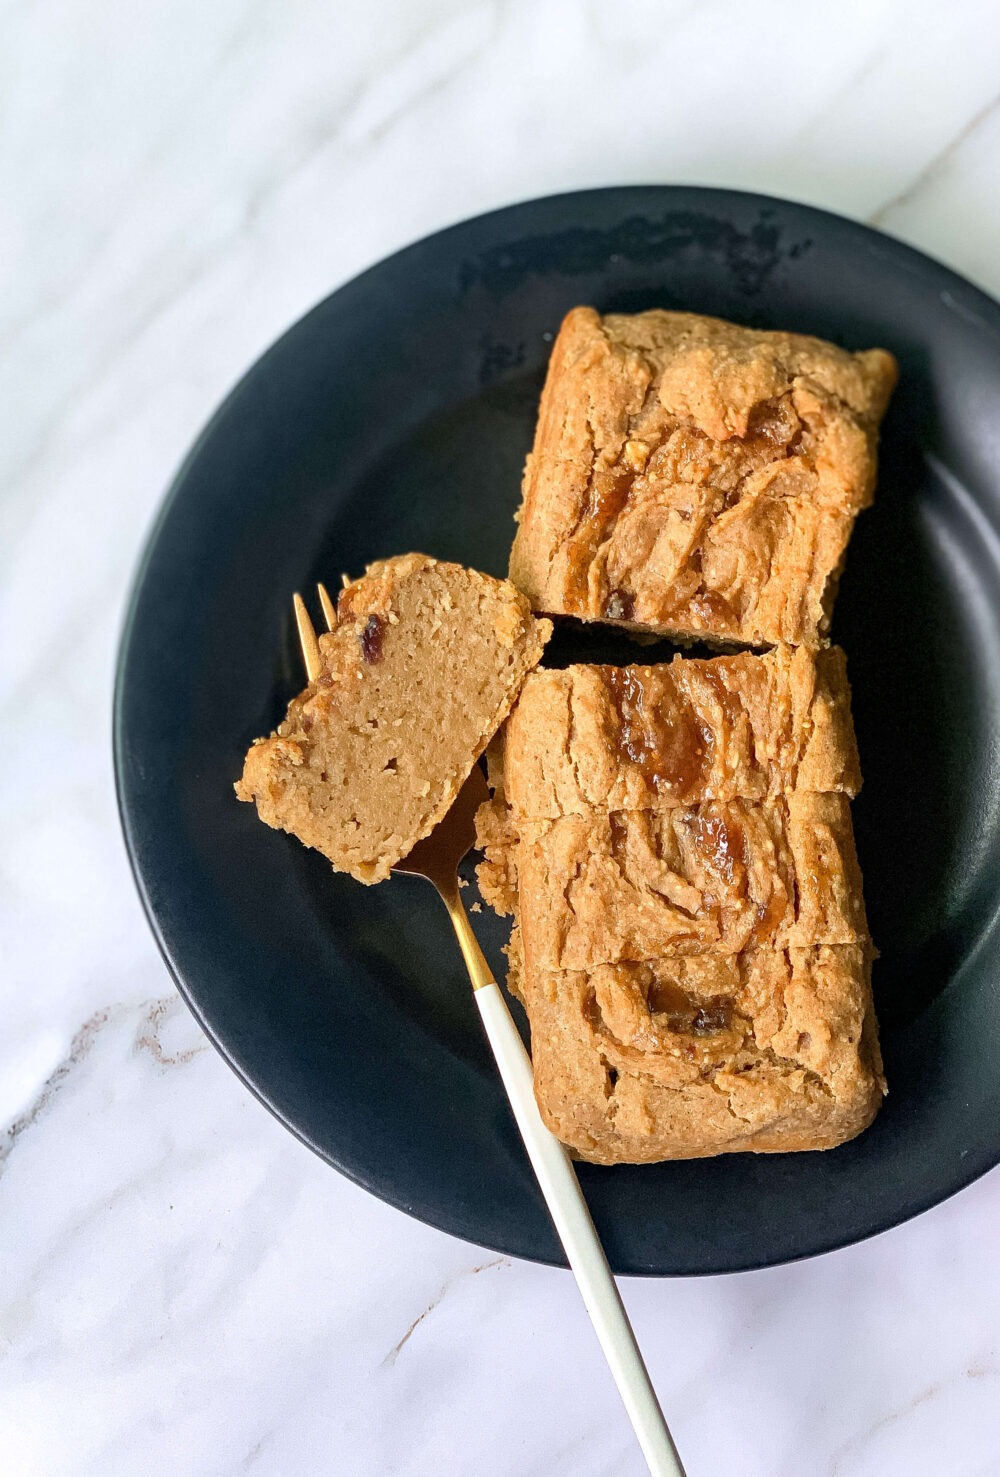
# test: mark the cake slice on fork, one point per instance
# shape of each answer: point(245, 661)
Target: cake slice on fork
point(420, 668)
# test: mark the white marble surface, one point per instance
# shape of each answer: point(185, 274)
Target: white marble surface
point(184, 1288)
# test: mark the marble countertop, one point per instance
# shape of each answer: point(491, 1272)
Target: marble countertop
point(185, 1288)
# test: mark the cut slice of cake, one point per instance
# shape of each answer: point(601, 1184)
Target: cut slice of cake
point(638, 885)
point(695, 478)
point(421, 669)
point(634, 738)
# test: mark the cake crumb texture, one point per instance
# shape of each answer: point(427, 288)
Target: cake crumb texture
point(420, 671)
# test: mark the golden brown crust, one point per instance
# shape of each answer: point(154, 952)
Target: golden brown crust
point(696, 974)
point(736, 727)
point(691, 1056)
point(697, 478)
point(720, 877)
point(420, 671)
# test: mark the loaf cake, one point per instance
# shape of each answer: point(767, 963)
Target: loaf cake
point(695, 478)
point(690, 939)
point(419, 672)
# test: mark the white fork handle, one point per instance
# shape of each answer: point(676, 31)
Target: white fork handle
point(568, 1208)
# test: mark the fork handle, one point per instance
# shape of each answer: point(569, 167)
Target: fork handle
point(568, 1208)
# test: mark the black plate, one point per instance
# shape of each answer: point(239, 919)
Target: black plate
point(396, 416)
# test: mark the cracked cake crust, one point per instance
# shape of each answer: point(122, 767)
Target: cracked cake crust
point(765, 1052)
point(635, 885)
point(737, 727)
point(696, 478)
point(696, 975)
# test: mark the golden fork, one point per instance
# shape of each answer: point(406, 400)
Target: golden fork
point(436, 858)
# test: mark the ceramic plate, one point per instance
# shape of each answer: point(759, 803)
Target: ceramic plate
point(396, 416)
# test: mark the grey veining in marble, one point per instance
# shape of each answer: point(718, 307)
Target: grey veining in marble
point(185, 1288)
